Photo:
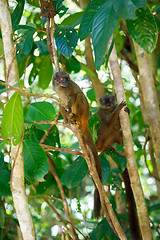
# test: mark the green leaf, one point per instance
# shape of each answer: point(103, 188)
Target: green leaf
point(12, 121)
point(42, 46)
point(126, 9)
point(119, 159)
point(66, 40)
point(143, 29)
point(17, 14)
point(75, 173)
point(1, 47)
point(72, 64)
point(3, 89)
point(25, 45)
point(104, 24)
point(105, 168)
point(35, 161)
point(1, 145)
point(59, 7)
point(73, 19)
point(91, 94)
point(94, 125)
point(4, 183)
point(48, 187)
point(34, 134)
point(34, 3)
point(45, 76)
point(86, 69)
point(40, 111)
point(88, 17)
point(103, 231)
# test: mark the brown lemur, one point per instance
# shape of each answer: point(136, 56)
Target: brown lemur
point(78, 110)
point(108, 134)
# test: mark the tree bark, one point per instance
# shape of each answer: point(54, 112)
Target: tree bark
point(150, 99)
point(17, 171)
point(129, 152)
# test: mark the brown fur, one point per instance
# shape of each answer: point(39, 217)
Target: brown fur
point(73, 97)
point(108, 134)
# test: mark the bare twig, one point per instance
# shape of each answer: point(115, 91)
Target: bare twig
point(50, 129)
point(65, 204)
point(25, 94)
point(145, 159)
point(45, 196)
point(52, 30)
point(66, 150)
point(154, 226)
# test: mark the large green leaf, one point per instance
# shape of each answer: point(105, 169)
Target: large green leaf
point(105, 168)
point(88, 17)
point(59, 7)
point(25, 44)
point(103, 231)
point(104, 24)
point(12, 121)
point(1, 47)
point(40, 111)
point(143, 29)
point(35, 161)
point(72, 64)
point(73, 19)
point(3, 89)
point(17, 14)
point(120, 160)
point(45, 76)
point(94, 125)
point(66, 40)
point(1, 145)
point(34, 3)
point(75, 173)
point(126, 8)
point(4, 182)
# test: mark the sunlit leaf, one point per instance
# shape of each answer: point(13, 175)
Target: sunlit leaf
point(104, 24)
point(12, 121)
point(88, 17)
point(73, 19)
point(66, 40)
point(143, 29)
point(45, 76)
point(17, 13)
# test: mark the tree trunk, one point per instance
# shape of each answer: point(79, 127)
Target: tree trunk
point(129, 152)
point(17, 171)
point(150, 99)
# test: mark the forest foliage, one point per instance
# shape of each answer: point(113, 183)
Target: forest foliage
point(32, 109)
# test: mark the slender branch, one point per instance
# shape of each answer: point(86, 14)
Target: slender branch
point(50, 129)
point(66, 150)
point(45, 196)
point(154, 227)
point(145, 159)
point(65, 204)
point(52, 30)
point(25, 94)
point(60, 218)
point(49, 40)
